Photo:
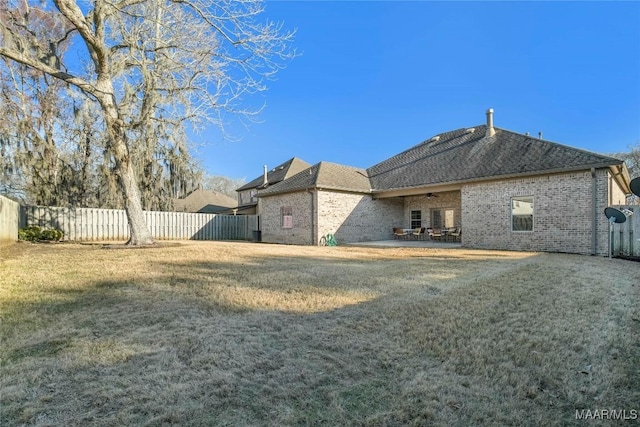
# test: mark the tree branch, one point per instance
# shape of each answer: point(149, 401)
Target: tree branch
point(47, 69)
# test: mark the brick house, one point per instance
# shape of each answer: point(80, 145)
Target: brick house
point(248, 193)
point(503, 189)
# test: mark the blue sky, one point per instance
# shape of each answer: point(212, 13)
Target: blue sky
point(375, 78)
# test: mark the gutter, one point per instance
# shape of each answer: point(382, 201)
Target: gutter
point(328, 188)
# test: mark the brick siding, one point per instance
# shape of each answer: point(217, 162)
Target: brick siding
point(562, 213)
point(357, 217)
point(272, 231)
point(349, 217)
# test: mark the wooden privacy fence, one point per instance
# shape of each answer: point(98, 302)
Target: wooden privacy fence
point(82, 224)
point(626, 236)
point(9, 220)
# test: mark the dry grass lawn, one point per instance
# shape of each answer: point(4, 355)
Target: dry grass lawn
point(213, 333)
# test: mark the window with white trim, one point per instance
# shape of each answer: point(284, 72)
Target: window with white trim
point(522, 213)
point(416, 219)
point(286, 217)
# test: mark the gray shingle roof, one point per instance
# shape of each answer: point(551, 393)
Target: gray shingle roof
point(331, 176)
point(277, 174)
point(464, 155)
point(204, 201)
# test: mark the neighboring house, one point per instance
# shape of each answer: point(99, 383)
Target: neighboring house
point(505, 190)
point(205, 201)
point(248, 193)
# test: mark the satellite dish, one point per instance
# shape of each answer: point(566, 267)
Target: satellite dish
point(615, 215)
point(635, 186)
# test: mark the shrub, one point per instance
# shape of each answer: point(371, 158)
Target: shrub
point(35, 233)
point(51, 234)
point(31, 234)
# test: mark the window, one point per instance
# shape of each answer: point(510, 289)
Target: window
point(443, 218)
point(252, 194)
point(522, 213)
point(286, 217)
point(416, 219)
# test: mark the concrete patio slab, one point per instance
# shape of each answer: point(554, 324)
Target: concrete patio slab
point(407, 244)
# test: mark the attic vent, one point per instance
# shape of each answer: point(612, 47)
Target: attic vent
point(435, 138)
point(281, 167)
point(470, 130)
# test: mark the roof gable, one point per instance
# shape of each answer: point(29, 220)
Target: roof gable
point(278, 173)
point(325, 175)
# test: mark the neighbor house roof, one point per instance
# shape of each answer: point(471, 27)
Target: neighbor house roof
point(204, 201)
point(277, 174)
point(324, 175)
point(467, 155)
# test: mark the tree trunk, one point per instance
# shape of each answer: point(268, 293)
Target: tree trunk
point(139, 232)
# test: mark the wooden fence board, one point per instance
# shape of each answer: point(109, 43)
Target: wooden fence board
point(87, 224)
point(9, 220)
point(626, 236)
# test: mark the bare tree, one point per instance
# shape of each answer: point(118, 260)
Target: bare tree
point(223, 184)
point(151, 65)
point(632, 159)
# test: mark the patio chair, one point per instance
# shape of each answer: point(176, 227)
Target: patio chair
point(428, 233)
point(418, 233)
point(436, 233)
point(398, 233)
point(455, 234)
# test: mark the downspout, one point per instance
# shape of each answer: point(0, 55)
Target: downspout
point(313, 221)
point(594, 212)
point(610, 196)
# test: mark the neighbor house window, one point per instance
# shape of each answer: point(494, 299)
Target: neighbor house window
point(443, 218)
point(286, 215)
point(416, 219)
point(522, 213)
point(252, 194)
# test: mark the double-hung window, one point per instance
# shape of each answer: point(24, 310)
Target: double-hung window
point(522, 213)
point(286, 217)
point(416, 219)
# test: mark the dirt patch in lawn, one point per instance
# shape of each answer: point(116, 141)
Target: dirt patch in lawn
point(212, 333)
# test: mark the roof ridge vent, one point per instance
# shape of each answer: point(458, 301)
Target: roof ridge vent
point(470, 130)
point(435, 138)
